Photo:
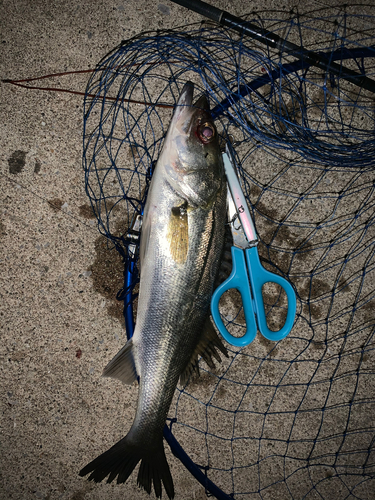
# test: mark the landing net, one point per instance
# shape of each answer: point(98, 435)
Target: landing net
point(293, 419)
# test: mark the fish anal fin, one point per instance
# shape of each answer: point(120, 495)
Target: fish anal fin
point(122, 366)
point(178, 233)
point(207, 347)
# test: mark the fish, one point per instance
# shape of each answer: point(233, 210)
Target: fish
point(181, 244)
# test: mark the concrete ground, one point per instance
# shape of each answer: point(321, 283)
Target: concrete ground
point(60, 323)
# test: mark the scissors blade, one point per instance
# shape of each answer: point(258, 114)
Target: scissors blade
point(239, 201)
point(238, 234)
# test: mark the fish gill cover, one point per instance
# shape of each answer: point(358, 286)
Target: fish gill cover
point(292, 419)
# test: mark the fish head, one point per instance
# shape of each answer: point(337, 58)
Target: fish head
point(192, 154)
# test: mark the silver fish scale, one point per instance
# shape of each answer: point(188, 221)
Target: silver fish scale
point(171, 320)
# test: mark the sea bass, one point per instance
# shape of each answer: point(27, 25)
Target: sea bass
point(181, 245)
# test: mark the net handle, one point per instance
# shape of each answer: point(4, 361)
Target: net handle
point(307, 57)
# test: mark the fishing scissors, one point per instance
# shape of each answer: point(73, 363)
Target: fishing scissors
point(248, 275)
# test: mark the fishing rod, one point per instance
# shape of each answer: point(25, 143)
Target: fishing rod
point(308, 57)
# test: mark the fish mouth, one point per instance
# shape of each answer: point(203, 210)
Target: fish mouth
point(202, 103)
point(187, 115)
point(186, 100)
point(186, 96)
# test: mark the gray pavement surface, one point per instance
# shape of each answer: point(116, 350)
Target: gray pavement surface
point(60, 323)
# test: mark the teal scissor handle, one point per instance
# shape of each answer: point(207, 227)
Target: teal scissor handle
point(239, 280)
point(258, 277)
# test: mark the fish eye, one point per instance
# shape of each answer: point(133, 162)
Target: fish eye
point(206, 132)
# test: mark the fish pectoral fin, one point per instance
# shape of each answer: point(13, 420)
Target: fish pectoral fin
point(178, 233)
point(122, 366)
point(207, 347)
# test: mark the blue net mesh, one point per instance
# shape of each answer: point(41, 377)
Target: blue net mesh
point(293, 419)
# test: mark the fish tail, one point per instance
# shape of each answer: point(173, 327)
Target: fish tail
point(154, 468)
point(120, 461)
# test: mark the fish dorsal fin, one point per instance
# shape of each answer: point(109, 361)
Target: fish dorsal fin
point(207, 348)
point(178, 233)
point(122, 366)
